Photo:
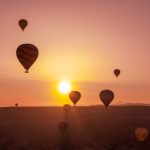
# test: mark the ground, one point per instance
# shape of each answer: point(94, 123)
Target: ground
point(89, 128)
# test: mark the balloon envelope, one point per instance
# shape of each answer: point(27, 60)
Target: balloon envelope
point(106, 97)
point(141, 134)
point(23, 24)
point(74, 96)
point(27, 55)
point(63, 126)
point(117, 72)
point(67, 108)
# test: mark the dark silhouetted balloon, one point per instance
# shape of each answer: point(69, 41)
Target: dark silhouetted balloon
point(23, 24)
point(27, 55)
point(141, 134)
point(117, 72)
point(67, 108)
point(106, 97)
point(63, 126)
point(74, 96)
point(16, 104)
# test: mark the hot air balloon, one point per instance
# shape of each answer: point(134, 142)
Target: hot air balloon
point(16, 104)
point(63, 126)
point(27, 55)
point(141, 134)
point(106, 97)
point(117, 72)
point(74, 96)
point(23, 24)
point(67, 108)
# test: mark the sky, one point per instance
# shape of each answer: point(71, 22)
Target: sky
point(80, 41)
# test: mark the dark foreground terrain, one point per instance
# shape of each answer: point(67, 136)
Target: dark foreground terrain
point(90, 128)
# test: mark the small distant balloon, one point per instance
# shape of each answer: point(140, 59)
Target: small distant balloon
point(63, 126)
point(27, 55)
point(67, 108)
point(16, 104)
point(23, 24)
point(117, 72)
point(141, 134)
point(106, 97)
point(74, 96)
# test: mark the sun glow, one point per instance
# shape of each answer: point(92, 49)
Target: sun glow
point(64, 87)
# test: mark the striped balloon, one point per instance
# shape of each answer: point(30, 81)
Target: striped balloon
point(74, 96)
point(106, 97)
point(27, 55)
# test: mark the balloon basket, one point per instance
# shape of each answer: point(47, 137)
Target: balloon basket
point(26, 71)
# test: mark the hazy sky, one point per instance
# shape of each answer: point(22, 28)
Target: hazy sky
point(80, 41)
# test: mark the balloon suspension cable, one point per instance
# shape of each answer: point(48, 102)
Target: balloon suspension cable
point(26, 71)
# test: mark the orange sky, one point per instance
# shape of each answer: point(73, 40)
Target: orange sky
point(81, 41)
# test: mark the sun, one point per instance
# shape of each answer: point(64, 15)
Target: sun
point(64, 87)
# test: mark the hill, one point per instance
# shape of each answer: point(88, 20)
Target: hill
point(90, 128)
